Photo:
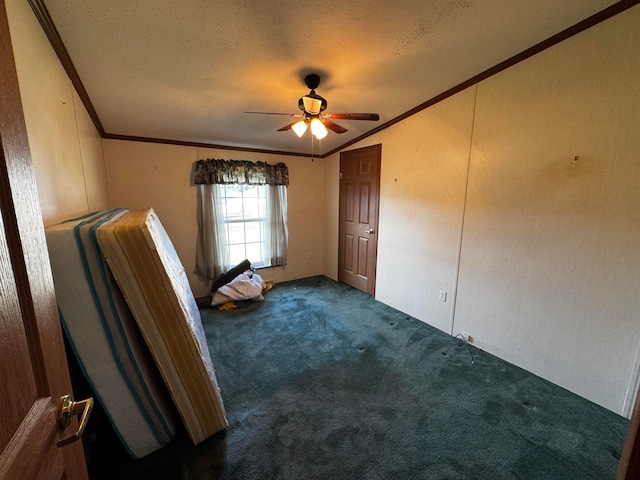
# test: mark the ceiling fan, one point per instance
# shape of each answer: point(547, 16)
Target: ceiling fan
point(313, 116)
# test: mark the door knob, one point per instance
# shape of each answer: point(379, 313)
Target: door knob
point(371, 230)
point(69, 408)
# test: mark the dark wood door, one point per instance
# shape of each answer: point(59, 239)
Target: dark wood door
point(358, 229)
point(33, 369)
point(629, 466)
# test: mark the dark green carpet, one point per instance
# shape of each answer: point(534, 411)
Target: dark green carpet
point(322, 382)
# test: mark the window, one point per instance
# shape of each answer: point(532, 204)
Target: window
point(246, 223)
point(242, 214)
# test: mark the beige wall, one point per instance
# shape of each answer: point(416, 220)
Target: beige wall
point(65, 146)
point(145, 175)
point(422, 197)
point(550, 269)
point(422, 188)
point(519, 197)
point(539, 250)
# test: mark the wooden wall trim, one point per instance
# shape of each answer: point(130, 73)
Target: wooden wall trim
point(131, 138)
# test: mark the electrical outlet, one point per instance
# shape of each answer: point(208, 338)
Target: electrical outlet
point(466, 337)
point(443, 296)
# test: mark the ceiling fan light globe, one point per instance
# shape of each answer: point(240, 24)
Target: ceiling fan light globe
point(299, 128)
point(318, 129)
point(312, 105)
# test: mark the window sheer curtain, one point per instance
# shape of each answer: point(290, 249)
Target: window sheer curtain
point(278, 230)
point(212, 252)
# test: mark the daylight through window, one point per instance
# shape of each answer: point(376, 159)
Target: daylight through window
point(245, 218)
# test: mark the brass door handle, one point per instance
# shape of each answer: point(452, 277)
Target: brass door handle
point(371, 230)
point(69, 408)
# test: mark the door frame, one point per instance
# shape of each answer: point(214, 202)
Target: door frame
point(629, 466)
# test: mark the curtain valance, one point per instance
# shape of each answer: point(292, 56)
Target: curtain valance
point(240, 172)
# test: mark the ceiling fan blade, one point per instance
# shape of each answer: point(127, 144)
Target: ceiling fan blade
point(286, 127)
point(275, 113)
point(334, 127)
point(354, 116)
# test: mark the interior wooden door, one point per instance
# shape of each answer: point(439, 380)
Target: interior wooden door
point(358, 229)
point(33, 369)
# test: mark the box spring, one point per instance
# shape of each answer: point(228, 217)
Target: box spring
point(105, 338)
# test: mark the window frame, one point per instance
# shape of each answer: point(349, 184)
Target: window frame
point(263, 221)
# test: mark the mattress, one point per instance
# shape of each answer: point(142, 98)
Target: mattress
point(154, 283)
point(105, 338)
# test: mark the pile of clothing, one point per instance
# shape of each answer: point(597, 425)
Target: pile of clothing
point(246, 286)
point(241, 283)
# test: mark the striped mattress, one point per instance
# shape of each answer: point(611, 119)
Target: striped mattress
point(154, 282)
point(105, 338)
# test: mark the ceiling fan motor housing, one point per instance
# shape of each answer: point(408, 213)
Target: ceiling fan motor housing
point(312, 81)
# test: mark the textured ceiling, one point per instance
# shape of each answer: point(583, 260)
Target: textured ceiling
point(186, 70)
